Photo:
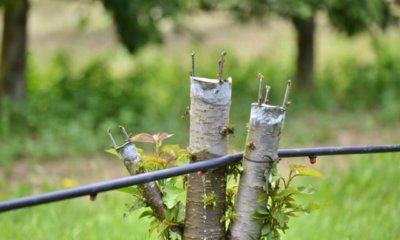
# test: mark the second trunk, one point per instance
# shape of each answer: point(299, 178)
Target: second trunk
point(209, 118)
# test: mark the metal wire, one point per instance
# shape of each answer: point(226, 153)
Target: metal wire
point(93, 189)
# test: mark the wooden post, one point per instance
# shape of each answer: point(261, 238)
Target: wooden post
point(260, 154)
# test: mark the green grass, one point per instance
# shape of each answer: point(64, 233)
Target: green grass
point(363, 202)
point(75, 219)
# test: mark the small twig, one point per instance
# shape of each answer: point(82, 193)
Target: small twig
point(221, 67)
point(124, 132)
point(112, 138)
point(193, 64)
point(261, 80)
point(285, 98)
point(267, 89)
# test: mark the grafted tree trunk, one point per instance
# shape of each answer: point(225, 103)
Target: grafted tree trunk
point(209, 117)
point(260, 153)
point(305, 29)
point(150, 191)
point(13, 58)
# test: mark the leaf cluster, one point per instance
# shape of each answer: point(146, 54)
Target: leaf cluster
point(279, 203)
point(173, 189)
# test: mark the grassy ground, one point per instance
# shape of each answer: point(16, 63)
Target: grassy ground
point(361, 194)
point(363, 202)
point(75, 219)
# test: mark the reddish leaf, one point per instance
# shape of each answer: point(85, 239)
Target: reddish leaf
point(170, 159)
point(161, 136)
point(143, 137)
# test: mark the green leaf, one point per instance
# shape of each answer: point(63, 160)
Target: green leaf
point(172, 196)
point(292, 205)
point(147, 213)
point(262, 198)
point(309, 172)
point(114, 152)
point(281, 219)
point(262, 210)
point(294, 167)
point(176, 151)
point(291, 214)
point(259, 216)
point(130, 190)
point(266, 229)
point(137, 206)
point(181, 212)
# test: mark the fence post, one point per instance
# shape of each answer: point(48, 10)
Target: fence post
point(209, 118)
point(261, 152)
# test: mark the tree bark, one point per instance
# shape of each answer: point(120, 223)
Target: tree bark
point(13, 58)
point(305, 29)
point(260, 153)
point(150, 190)
point(209, 117)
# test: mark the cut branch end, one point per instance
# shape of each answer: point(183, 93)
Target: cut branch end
point(112, 138)
point(286, 103)
point(261, 80)
point(221, 67)
point(124, 132)
point(193, 64)
point(267, 90)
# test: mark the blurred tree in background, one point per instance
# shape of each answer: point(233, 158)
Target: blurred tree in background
point(137, 22)
point(350, 17)
point(13, 52)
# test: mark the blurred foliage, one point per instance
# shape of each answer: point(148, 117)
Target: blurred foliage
point(348, 16)
point(137, 21)
point(352, 17)
point(69, 109)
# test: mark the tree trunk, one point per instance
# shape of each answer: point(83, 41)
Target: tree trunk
point(260, 153)
point(13, 58)
point(150, 190)
point(305, 29)
point(209, 117)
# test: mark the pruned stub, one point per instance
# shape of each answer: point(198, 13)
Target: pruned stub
point(260, 154)
point(209, 116)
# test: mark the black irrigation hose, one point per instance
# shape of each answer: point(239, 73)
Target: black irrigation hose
point(93, 189)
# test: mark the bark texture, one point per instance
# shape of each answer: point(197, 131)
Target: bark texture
point(305, 29)
point(209, 117)
point(260, 153)
point(13, 58)
point(151, 192)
